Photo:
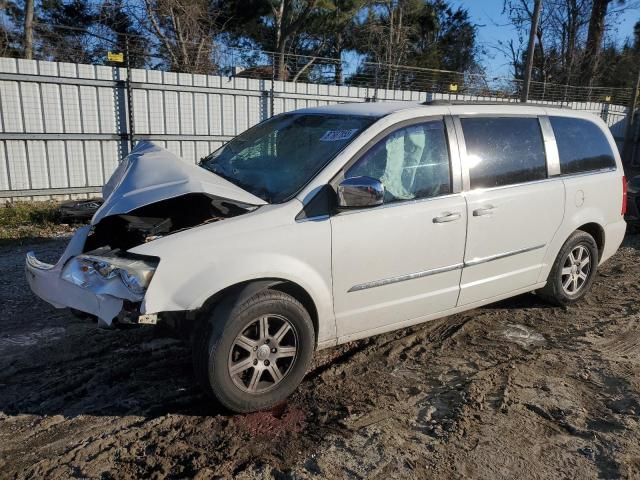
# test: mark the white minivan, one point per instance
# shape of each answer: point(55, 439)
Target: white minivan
point(330, 224)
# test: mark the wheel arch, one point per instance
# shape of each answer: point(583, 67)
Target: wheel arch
point(242, 291)
point(597, 232)
point(590, 224)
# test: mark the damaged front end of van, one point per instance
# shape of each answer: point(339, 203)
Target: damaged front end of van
point(152, 194)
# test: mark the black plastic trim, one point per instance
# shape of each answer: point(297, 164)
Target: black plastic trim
point(321, 205)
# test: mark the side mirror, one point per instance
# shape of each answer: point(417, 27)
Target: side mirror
point(359, 192)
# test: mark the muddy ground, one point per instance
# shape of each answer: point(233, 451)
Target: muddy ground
point(514, 390)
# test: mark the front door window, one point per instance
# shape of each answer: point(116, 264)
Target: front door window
point(411, 163)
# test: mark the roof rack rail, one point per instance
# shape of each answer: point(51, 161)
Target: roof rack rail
point(487, 102)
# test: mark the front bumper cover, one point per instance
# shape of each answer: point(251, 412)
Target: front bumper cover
point(46, 282)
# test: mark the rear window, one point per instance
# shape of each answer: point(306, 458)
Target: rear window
point(503, 151)
point(582, 146)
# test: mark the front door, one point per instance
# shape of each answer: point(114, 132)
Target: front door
point(400, 261)
point(514, 209)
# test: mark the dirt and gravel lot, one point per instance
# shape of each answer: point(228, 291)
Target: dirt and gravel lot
point(514, 390)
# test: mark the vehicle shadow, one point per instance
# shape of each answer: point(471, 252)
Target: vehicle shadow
point(71, 368)
point(62, 365)
point(526, 300)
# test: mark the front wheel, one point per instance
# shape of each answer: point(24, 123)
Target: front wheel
point(253, 355)
point(573, 271)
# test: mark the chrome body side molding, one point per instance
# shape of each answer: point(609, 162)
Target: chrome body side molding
point(478, 261)
point(403, 278)
point(434, 271)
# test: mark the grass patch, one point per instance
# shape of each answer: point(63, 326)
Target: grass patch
point(21, 220)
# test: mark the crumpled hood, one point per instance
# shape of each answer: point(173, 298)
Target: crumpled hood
point(151, 173)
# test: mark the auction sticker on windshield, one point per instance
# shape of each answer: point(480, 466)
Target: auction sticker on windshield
point(337, 135)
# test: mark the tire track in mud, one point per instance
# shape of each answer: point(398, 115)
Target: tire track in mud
point(467, 396)
point(565, 335)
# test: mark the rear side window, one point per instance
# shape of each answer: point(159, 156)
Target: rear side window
point(582, 145)
point(503, 151)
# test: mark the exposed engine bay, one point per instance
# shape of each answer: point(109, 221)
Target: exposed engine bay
point(151, 194)
point(159, 219)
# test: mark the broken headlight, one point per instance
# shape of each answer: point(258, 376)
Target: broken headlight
point(134, 273)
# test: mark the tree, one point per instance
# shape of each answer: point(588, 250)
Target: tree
point(126, 34)
point(416, 33)
point(186, 31)
point(288, 17)
point(298, 31)
point(455, 38)
point(69, 30)
point(570, 24)
point(337, 26)
point(531, 49)
point(571, 40)
point(10, 40)
point(619, 67)
point(280, 26)
point(28, 29)
point(64, 31)
point(521, 13)
point(547, 37)
point(594, 40)
point(386, 33)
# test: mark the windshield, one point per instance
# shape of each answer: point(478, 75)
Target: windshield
point(276, 158)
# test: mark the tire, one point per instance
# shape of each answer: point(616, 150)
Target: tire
point(237, 360)
point(570, 279)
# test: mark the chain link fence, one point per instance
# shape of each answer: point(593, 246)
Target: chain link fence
point(352, 69)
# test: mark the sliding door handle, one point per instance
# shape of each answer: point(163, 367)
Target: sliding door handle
point(447, 217)
point(488, 210)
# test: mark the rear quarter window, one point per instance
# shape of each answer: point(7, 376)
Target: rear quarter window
point(582, 146)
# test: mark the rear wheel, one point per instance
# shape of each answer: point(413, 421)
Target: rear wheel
point(253, 355)
point(573, 271)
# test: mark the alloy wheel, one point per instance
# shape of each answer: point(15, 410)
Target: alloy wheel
point(576, 269)
point(263, 353)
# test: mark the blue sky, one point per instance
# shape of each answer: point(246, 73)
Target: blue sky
point(494, 26)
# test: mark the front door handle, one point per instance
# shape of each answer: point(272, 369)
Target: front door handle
point(447, 217)
point(488, 210)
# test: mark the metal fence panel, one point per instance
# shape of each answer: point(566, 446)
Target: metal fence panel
point(4, 169)
point(64, 126)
